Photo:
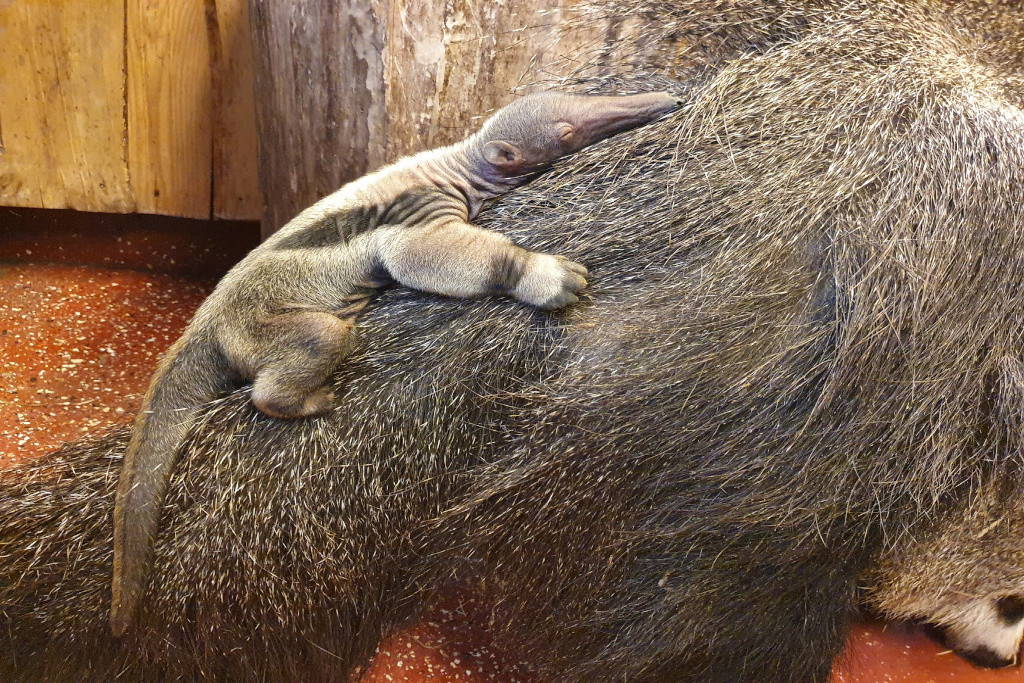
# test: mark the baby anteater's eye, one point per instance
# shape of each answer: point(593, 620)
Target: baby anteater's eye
point(1010, 608)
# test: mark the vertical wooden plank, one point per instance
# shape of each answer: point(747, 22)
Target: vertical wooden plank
point(169, 106)
point(320, 109)
point(236, 190)
point(62, 125)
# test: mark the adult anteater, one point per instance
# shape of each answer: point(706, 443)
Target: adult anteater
point(799, 365)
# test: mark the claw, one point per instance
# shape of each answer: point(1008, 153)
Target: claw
point(356, 306)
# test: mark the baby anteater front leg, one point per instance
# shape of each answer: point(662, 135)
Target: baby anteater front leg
point(303, 350)
point(462, 260)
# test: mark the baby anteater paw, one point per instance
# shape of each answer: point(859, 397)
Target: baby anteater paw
point(550, 282)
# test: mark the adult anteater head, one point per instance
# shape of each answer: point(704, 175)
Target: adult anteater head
point(962, 573)
point(963, 577)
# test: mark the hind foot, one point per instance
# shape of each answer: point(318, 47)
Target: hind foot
point(305, 348)
point(289, 406)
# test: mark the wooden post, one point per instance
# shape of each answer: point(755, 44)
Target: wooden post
point(319, 94)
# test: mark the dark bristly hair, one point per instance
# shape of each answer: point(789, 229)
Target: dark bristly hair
point(799, 353)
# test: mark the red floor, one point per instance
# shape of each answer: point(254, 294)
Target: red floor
point(78, 344)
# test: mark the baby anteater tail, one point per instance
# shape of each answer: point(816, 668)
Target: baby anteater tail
point(192, 374)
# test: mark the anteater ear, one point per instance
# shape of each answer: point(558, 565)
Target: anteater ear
point(566, 132)
point(502, 154)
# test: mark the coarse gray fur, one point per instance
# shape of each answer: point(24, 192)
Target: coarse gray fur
point(795, 374)
point(282, 317)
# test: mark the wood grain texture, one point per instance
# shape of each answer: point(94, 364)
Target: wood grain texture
point(236, 189)
point(170, 106)
point(449, 64)
point(62, 126)
point(320, 110)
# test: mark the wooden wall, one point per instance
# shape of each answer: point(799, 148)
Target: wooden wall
point(128, 105)
point(147, 105)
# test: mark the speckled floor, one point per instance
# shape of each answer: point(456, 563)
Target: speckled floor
point(449, 644)
point(77, 345)
point(879, 651)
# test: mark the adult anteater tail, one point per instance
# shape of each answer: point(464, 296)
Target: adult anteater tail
point(192, 374)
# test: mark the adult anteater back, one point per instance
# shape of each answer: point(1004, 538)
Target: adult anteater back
point(806, 292)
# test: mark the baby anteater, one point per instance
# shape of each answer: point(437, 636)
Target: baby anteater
point(282, 318)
